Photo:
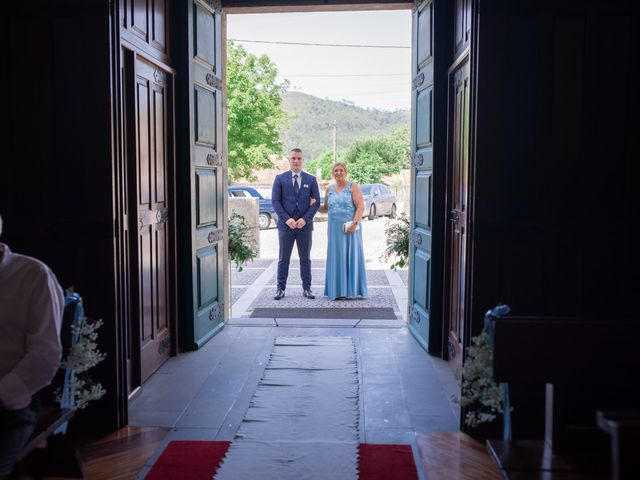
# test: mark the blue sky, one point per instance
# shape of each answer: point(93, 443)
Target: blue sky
point(369, 77)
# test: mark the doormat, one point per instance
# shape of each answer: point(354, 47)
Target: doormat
point(188, 460)
point(302, 422)
point(385, 313)
point(199, 460)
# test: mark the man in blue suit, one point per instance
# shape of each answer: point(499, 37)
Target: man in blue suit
point(291, 198)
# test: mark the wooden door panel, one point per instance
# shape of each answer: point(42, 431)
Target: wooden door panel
point(138, 18)
point(146, 285)
point(459, 189)
point(422, 171)
point(209, 262)
point(151, 134)
point(160, 160)
point(423, 118)
point(145, 25)
point(204, 245)
point(205, 120)
point(204, 48)
point(423, 190)
point(462, 25)
point(459, 25)
point(420, 277)
point(162, 292)
point(467, 22)
point(423, 34)
point(206, 194)
point(144, 149)
point(159, 25)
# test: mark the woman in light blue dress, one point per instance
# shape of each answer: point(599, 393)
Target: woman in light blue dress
point(345, 275)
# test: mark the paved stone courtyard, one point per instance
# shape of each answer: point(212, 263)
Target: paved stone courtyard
point(255, 285)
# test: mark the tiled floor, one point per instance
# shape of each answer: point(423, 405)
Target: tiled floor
point(205, 394)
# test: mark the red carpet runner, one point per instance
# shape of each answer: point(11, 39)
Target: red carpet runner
point(199, 460)
point(386, 462)
point(188, 460)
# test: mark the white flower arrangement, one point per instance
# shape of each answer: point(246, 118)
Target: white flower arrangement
point(479, 391)
point(83, 355)
point(484, 398)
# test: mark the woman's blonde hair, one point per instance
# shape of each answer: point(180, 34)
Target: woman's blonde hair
point(339, 164)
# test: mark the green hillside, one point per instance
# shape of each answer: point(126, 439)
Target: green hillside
point(311, 126)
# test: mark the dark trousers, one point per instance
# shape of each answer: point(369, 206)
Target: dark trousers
point(302, 238)
point(16, 426)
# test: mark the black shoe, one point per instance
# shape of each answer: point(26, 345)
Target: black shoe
point(306, 293)
point(279, 295)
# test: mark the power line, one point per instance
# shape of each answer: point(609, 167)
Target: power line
point(319, 44)
point(348, 75)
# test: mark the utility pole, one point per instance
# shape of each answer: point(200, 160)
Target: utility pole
point(335, 142)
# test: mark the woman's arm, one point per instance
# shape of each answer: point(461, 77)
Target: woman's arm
point(324, 208)
point(358, 201)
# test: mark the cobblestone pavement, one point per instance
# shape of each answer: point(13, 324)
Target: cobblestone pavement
point(255, 285)
point(254, 288)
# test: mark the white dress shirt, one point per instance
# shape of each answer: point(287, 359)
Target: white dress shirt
point(299, 178)
point(31, 307)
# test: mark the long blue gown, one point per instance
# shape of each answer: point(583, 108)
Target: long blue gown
point(345, 274)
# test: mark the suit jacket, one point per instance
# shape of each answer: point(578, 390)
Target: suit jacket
point(285, 202)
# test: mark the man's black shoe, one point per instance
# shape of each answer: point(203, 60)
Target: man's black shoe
point(279, 295)
point(306, 293)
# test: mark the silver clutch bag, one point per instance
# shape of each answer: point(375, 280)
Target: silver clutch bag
point(346, 225)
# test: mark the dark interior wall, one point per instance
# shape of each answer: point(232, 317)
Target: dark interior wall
point(56, 183)
point(556, 168)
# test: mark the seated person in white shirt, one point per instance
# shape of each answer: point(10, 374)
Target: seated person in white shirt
point(31, 307)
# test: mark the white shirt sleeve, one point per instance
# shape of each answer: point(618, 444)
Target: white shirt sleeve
point(43, 348)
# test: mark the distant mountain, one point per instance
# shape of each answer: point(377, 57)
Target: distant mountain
point(312, 126)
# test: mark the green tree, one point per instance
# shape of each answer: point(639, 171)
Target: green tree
point(324, 161)
point(255, 115)
point(371, 159)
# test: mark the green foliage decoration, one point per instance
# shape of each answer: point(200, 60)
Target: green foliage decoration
point(255, 115)
point(397, 241)
point(240, 251)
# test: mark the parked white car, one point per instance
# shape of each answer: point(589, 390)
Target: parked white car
point(378, 201)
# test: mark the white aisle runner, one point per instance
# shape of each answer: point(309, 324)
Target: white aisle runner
point(302, 422)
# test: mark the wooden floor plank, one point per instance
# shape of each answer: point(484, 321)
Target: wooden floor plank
point(443, 456)
point(121, 455)
point(123, 441)
point(449, 455)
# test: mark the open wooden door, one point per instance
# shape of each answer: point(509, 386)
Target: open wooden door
point(421, 174)
point(458, 215)
point(149, 139)
point(201, 176)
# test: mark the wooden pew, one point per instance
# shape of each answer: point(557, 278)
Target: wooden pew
point(586, 366)
point(49, 419)
point(624, 428)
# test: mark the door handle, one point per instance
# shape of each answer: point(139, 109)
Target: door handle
point(454, 216)
point(162, 215)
